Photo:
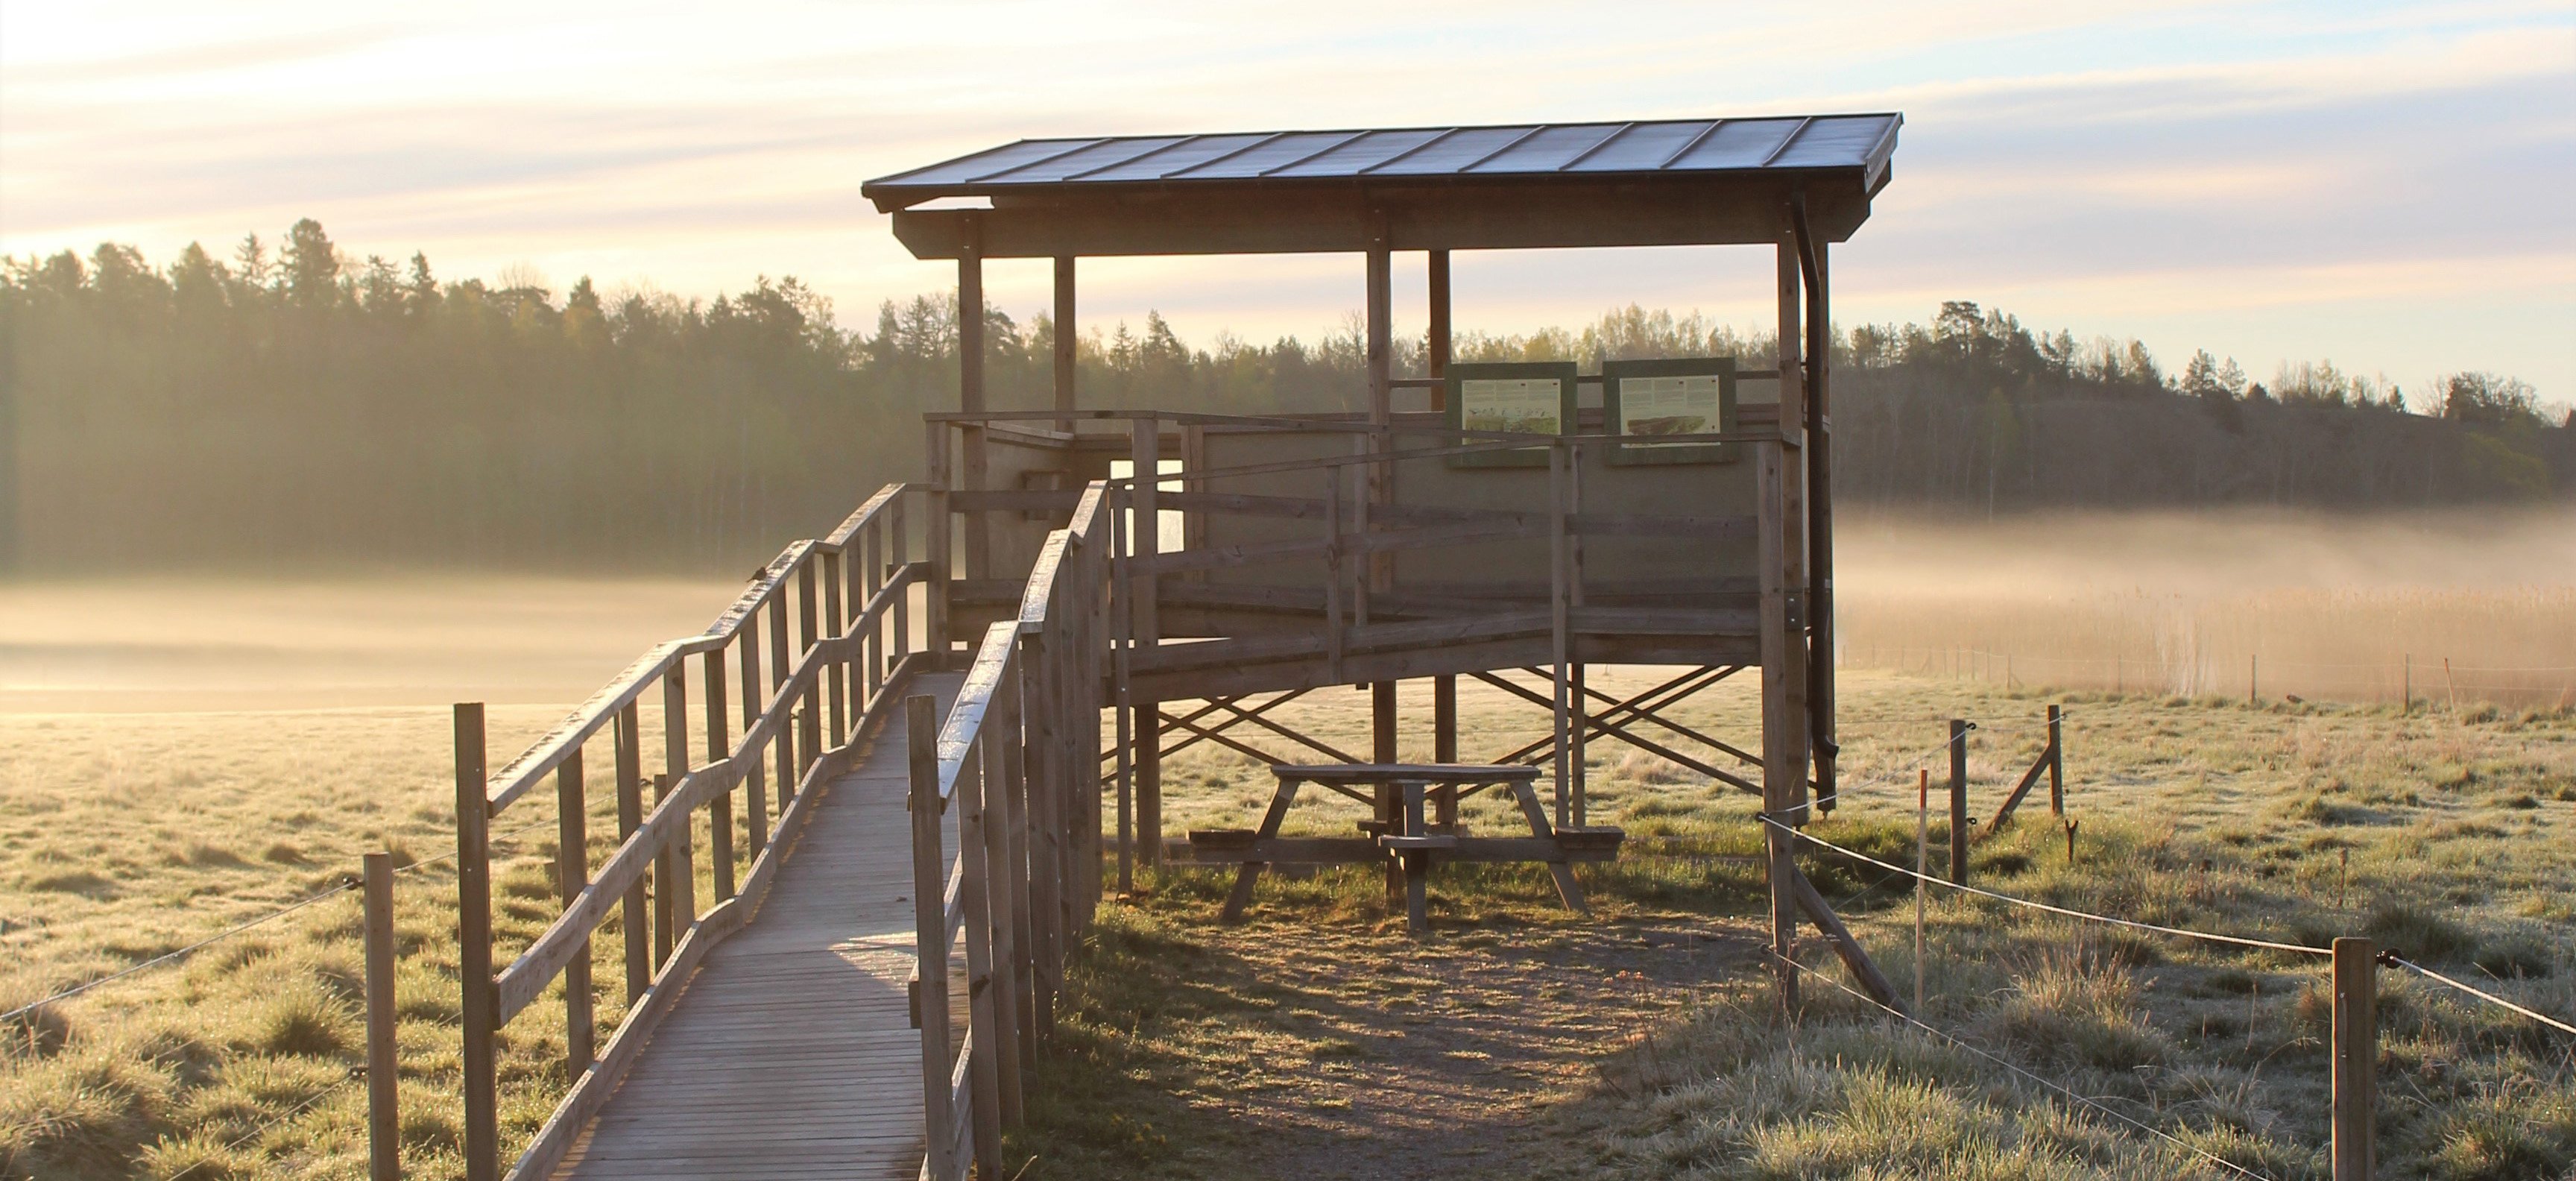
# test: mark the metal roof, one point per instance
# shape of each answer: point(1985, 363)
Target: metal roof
point(1677, 148)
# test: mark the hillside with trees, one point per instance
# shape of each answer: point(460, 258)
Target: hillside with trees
point(297, 406)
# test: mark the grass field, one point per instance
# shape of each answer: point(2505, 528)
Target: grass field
point(182, 757)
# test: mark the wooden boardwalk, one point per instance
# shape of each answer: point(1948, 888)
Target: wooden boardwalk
point(791, 1052)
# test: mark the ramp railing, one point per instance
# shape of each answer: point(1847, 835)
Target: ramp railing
point(813, 651)
point(1012, 761)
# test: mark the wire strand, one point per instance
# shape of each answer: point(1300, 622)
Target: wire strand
point(2491, 998)
point(182, 953)
point(2007, 1064)
point(210, 940)
point(2187, 933)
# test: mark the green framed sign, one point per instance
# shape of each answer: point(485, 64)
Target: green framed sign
point(1524, 397)
point(1674, 396)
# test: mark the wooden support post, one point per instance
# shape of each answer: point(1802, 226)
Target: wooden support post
point(1121, 619)
point(1578, 725)
point(1145, 453)
point(1958, 801)
point(1389, 797)
point(1557, 620)
point(630, 816)
point(2356, 1058)
point(572, 875)
point(971, 473)
point(480, 1003)
point(384, 1124)
point(2056, 764)
point(872, 579)
point(936, 525)
point(809, 732)
point(1820, 520)
point(1067, 337)
point(1784, 776)
point(930, 929)
point(1444, 689)
point(1444, 719)
point(719, 745)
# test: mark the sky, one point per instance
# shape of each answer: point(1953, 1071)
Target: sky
point(2385, 185)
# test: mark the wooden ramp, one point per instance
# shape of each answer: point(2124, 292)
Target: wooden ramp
point(791, 1052)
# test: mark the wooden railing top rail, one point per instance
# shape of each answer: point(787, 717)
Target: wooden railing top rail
point(525, 772)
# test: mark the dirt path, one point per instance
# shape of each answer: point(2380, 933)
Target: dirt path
point(1378, 1058)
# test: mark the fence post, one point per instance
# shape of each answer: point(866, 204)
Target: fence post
point(2356, 1057)
point(930, 930)
point(479, 1005)
point(384, 1137)
point(2056, 764)
point(1959, 801)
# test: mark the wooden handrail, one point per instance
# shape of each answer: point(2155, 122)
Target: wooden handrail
point(1007, 755)
point(522, 774)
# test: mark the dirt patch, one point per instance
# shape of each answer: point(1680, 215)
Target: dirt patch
point(1376, 1056)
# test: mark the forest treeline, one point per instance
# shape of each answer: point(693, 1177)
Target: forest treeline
point(297, 406)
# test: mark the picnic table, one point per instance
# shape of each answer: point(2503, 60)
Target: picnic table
point(1413, 826)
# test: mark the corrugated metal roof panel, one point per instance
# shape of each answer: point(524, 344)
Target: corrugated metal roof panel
point(1362, 154)
point(1279, 151)
point(1180, 157)
point(1739, 143)
point(1551, 149)
point(1108, 153)
point(1643, 147)
point(1656, 147)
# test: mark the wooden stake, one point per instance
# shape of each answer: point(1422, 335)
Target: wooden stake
point(1922, 868)
point(2356, 1057)
point(384, 1128)
point(1959, 801)
point(2056, 763)
point(480, 1003)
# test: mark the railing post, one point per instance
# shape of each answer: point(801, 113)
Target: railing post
point(984, 1000)
point(1783, 768)
point(930, 931)
point(1016, 873)
point(838, 685)
point(719, 745)
point(572, 875)
point(871, 581)
point(384, 1126)
point(2356, 1058)
point(935, 538)
point(630, 816)
point(784, 745)
point(666, 888)
point(1958, 801)
point(478, 1005)
point(898, 546)
point(682, 885)
point(755, 777)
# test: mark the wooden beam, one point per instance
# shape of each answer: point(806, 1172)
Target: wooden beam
point(1067, 336)
point(1565, 212)
point(1855, 960)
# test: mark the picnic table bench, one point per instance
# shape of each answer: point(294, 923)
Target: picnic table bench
point(1413, 825)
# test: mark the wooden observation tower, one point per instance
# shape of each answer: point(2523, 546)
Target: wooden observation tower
point(1475, 519)
point(912, 748)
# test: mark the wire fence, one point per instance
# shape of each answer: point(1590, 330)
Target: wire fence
point(348, 883)
point(2433, 682)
